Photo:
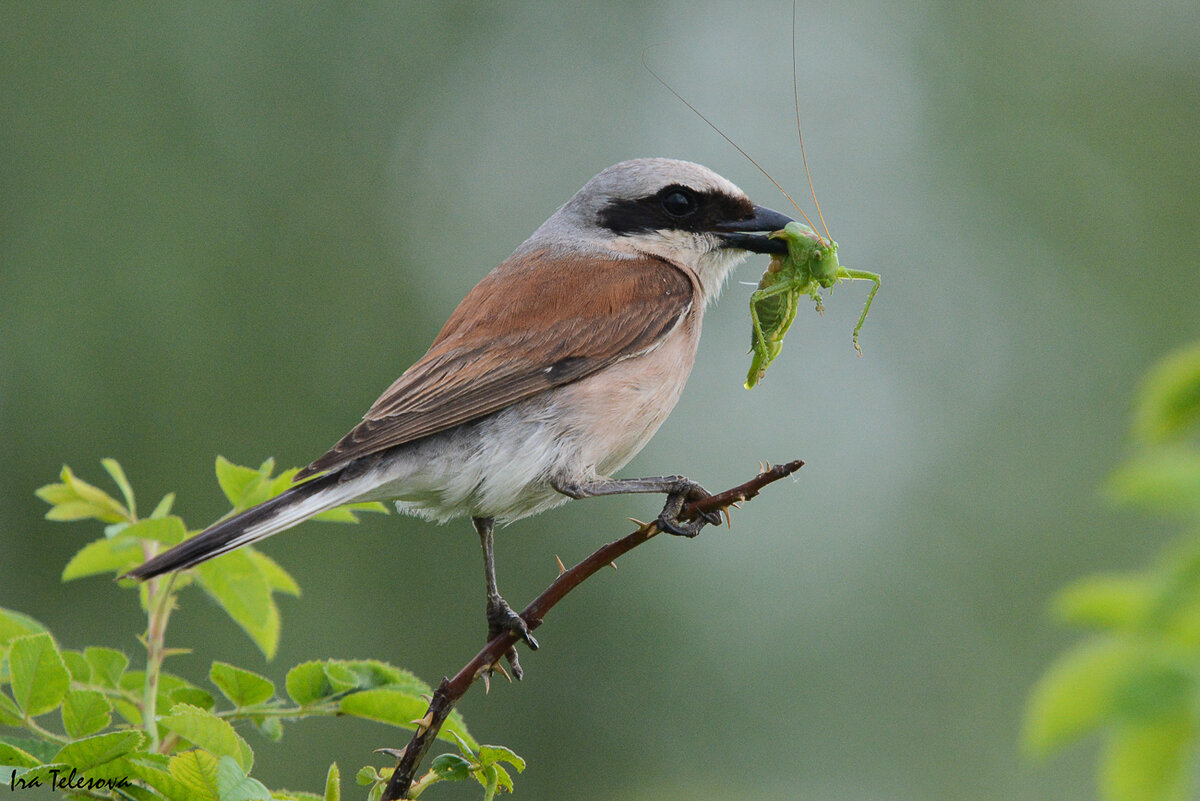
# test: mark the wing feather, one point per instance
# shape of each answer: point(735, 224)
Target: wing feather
point(533, 323)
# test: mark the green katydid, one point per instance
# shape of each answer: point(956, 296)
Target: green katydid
point(810, 264)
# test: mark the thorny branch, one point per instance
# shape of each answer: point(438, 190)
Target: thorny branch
point(451, 690)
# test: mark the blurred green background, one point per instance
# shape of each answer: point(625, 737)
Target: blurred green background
point(225, 228)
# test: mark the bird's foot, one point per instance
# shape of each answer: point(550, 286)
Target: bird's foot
point(501, 620)
point(685, 490)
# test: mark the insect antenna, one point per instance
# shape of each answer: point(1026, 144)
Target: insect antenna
point(796, 104)
point(737, 147)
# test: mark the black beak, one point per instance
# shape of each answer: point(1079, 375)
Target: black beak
point(742, 233)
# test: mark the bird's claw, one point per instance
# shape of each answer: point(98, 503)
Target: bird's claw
point(669, 521)
point(501, 620)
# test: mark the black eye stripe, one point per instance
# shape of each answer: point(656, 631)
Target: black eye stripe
point(650, 213)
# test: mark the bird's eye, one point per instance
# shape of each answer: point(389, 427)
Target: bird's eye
point(678, 202)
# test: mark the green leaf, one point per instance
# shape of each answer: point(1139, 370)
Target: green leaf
point(103, 556)
point(498, 753)
point(234, 785)
point(1106, 601)
point(208, 731)
point(75, 499)
point(196, 771)
point(240, 686)
point(168, 530)
point(1076, 695)
point(9, 714)
point(89, 752)
point(1164, 480)
point(451, 767)
point(85, 712)
point(306, 683)
point(502, 777)
point(118, 476)
point(152, 770)
point(347, 512)
point(333, 784)
point(14, 624)
point(1148, 761)
point(236, 583)
point(271, 728)
point(164, 506)
point(309, 682)
point(1154, 687)
point(193, 696)
point(278, 579)
point(11, 756)
point(398, 708)
point(1168, 402)
point(107, 665)
point(77, 666)
point(39, 676)
point(246, 487)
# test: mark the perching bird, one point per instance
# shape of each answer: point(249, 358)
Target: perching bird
point(552, 373)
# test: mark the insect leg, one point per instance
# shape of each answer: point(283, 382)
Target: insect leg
point(862, 275)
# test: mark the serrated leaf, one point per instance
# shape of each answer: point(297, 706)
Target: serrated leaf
point(9, 714)
point(1105, 600)
point(193, 696)
point(114, 469)
point(366, 776)
point(333, 784)
point(153, 772)
point(203, 728)
point(1075, 696)
point(309, 682)
point(14, 624)
point(498, 753)
point(11, 756)
point(38, 674)
point(77, 666)
point(398, 708)
point(85, 712)
point(108, 664)
point(196, 770)
point(234, 785)
point(306, 683)
point(1148, 761)
point(89, 752)
point(103, 556)
point(239, 587)
point(277, 578)
point(242, 687)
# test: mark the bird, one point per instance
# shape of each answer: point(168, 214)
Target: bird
point(550, 375)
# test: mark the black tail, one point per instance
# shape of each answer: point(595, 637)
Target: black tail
point(269, 517)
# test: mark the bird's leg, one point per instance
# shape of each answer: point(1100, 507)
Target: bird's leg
point(500, 616)
point(679, 490)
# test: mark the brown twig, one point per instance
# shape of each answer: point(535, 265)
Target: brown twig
point(451, 690)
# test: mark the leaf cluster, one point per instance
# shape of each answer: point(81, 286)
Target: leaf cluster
point(1136, 678)
point(91, 725)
